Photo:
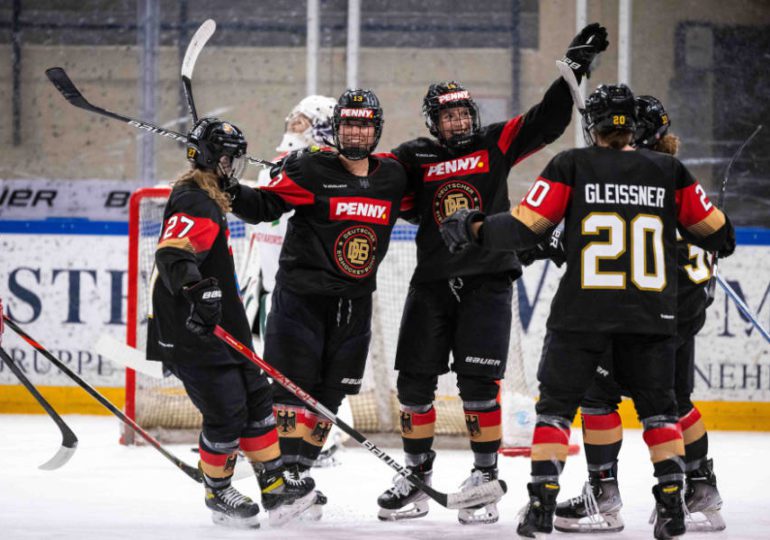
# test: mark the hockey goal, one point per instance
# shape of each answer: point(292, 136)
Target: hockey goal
point(162, 407)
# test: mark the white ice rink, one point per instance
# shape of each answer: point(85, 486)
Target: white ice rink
point(108, 491)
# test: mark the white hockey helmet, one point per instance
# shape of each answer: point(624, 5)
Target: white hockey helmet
point(318, 110)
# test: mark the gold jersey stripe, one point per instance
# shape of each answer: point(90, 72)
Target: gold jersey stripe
point(178, 243)
point(708, 225)
point(534, 221)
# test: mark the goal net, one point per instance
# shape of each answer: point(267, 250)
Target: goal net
point(162, 407)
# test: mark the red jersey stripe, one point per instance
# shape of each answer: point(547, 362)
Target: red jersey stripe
point(290, 191)
point(549, 199)
point(509, 134)
point(692, 205)
point(200, 231)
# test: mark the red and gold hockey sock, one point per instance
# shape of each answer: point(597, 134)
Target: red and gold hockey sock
point(485, 430)
point(291, 428)
point(261, 448)
point(316, 431)
point(550, 446)
point(696, 441)
point(602, 439)
point(664, 439)
point(417, 431)
point(217, 458)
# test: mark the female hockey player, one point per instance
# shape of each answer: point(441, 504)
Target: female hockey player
point(196, 290)
point(597, 508)
point(345, 206)
point(617, 297)
point(461, 303)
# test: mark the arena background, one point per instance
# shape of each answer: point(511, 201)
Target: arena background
point(65, 174)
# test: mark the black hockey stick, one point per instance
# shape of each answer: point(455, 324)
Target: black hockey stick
point(67, 88)
point(475, 496)
point(721, 203)
point(190, 471)
point(69, 440)
point(202, 35)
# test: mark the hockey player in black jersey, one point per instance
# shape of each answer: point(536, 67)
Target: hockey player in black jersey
point(194, 290)
point(600, 501)
point(345, 206)
point(461, 303)
point(617, 297)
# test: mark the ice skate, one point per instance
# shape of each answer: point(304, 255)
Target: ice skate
point(703, 501)
point(536, 518)
point(230, 508)
point(479, 514)
point(668, 517)
point(403, 500)
point(285, 496)
point(596, 510)
point(315, 512)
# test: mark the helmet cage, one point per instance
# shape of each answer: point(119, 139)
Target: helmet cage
point(357, 105)
point(450, 95)
point(210, 140)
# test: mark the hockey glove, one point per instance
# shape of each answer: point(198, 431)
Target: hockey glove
point(456, 229)
point(553, 249)
point(232, 187)
point(585, 47)
point(728, 247)
point(205, 299)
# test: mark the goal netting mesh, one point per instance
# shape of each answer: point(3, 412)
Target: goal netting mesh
point(162, 407)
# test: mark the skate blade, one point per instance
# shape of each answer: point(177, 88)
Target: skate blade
point(711, 521)
point(286, 512)
point(231, 522)
point(314, 513)
point(479, 516)
point(603, 523)
point(418, 510)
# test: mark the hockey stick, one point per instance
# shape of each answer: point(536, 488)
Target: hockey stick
point(742, 306)
point(67, 88)
point(190, 471)
point(202, 35)
point(478, 495)
point(711, 287)
point(577, 96)
point(69, 441)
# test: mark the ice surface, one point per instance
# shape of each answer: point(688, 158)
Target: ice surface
point(108, 491)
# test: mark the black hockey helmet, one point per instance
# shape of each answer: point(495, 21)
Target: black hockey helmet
point(360, 105)
point(652, 121)
point(609, 108)
point(211, 139)
point(446, 95)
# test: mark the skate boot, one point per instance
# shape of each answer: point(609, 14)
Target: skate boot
point(228, 506)
point(479, 514)
point(669, 511)
point(284, 496)
point(596, 510)
point(703, 500)
point(537, 517)
point(315, 512)
point(403, 493)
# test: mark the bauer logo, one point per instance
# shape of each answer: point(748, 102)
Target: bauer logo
point(356, 113)
point(359, 209)
point(475, 163)
point(483, 361)
point(454, 96)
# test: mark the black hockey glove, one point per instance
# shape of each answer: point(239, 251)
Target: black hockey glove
point(553, 249)
point(232, 187)
point(585, 47)
point(456, 229)
point(205, 298)
point(728, 247)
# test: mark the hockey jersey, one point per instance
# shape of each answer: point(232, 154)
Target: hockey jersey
point(340, 230)
point(621, 211)
point(477, 178)
point(194, 244)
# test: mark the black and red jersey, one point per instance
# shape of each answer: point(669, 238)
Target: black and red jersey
point(445, 181)
point(621, 211)
point(693, 275)
point(194, 244)
point(340, 230)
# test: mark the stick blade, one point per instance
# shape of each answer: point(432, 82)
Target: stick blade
point(569, 77)
point(198, 41)
point(477, 495)
point(66, 87)
point(62, 456)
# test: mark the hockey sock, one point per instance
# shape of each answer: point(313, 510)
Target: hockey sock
point(485, 429)
point(262, 448)
point(663, 436)
point(217, 458)
point(290, 425)
point(550, 445)
point(418, 425)
point(316, 431)
point(217, 483)
point(696, 440)
point(602, 438)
